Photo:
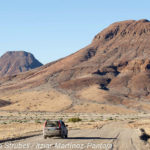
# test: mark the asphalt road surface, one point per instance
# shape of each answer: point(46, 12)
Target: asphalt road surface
point(113, 136)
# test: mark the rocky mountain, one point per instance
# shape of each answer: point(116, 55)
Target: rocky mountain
point(112, 74)
point(13, 62)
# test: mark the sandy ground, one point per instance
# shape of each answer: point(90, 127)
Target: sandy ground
point(47, 100)
point(14, 130)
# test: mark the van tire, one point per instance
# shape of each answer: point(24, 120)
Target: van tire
point(62, 135)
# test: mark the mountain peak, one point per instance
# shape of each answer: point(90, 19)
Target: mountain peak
point(143, 20)
point(124, 29)
point(13, 62)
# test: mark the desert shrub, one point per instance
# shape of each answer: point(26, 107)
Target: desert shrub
point(20, 121)
point(60, 118)
point(110, 118)
point(77, 119)
point(37, 121)
point(92, 120)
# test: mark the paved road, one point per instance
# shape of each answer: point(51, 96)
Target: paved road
point(114, 136)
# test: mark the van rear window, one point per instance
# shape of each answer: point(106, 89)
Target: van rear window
point(52, 124)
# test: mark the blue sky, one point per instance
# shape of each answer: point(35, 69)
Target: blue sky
point(51, 29)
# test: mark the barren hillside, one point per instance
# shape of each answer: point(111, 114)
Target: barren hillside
point(112, 74)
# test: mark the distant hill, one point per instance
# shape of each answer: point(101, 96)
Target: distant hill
point(13, 62)
point(110, 75)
